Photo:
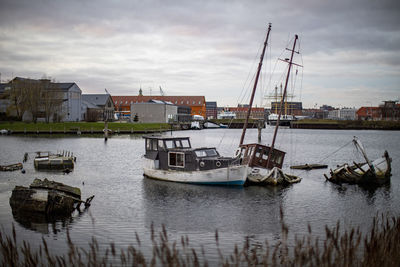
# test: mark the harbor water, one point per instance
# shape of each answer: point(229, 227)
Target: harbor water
point(126, 203)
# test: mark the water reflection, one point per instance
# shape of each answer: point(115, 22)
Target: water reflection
point(196, 208)
point(44, 223)
point(370, 192)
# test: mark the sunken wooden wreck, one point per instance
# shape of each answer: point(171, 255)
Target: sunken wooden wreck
point(369, 173)
point(11, 167)
point(54, 161)
point(47, 197)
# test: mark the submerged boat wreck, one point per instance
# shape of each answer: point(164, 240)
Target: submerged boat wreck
point(58, 161)
point(11, 167)
point(174, 159)
point(262, 170)
point(370, 172)
point(47, 197)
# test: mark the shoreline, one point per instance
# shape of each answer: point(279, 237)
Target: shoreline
point(346, 125)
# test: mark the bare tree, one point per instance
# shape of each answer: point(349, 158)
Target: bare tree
point(42, 98)
point(17, 97)
point(52, 99)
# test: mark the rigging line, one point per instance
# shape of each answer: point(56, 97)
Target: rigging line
point(329, 155)
point(251, 70)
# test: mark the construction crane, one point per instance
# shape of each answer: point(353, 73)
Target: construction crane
point(162, 92)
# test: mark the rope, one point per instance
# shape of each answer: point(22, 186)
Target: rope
point(329, 155)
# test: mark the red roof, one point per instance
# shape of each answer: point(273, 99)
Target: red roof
point(237, 109)
point(368, 111)
point(177, 100)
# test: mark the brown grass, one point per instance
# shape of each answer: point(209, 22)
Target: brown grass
point(379, 247)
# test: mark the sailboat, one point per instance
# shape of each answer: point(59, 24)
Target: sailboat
point(285, 118)
point(174, 159)
point(265, 162)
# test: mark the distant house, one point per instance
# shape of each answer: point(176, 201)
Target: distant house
point(68, 96)
point(211, 110)
point(155, 111)
point(369, 113)
point(97, 107)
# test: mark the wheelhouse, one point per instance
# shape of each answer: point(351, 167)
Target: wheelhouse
point(256, 155)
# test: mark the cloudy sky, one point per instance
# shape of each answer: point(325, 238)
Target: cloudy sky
point(350, 49)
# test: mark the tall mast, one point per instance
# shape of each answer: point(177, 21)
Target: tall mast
point(283, 97)
point(254, 87)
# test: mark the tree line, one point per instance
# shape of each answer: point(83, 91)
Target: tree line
point(37, 98)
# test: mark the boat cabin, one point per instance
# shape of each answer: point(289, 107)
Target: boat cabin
point(176, 153)
point(256, 155)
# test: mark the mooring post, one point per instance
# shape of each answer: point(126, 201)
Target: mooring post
point(105, 131)
point(260, 125)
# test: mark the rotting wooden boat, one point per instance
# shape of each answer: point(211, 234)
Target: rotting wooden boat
point(370, 172)
point(11, 167)
point(265, 162)
point(47, 197)
point(174, 159)
point(59, 161)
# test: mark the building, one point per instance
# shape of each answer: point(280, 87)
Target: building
point(342, 114)
point(369, 113)
point(241, 113)
point(153, 111)
point(123, 103)
point(387, 111)
point(97, 107)
point(211, 110)
point(53, 101)
point(184, 114)
point(289, 108)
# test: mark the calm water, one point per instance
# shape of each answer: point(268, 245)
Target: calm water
point(126, 202)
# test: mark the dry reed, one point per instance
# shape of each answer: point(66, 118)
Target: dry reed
point(379, 247)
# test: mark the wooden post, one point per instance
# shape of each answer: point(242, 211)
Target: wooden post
point(259, 127)
point(105, 131)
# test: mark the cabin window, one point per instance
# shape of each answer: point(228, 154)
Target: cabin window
point(170, 143)
point(185, 143)
point(178, 143)
point(200, 153)
point(151, 144)
point(206, 153)
point(176, 159)
point(160, 144)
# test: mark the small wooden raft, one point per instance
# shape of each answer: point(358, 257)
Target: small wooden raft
point(309, 166)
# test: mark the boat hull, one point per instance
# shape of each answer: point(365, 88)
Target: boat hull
point(232, 175)
point(362, 174)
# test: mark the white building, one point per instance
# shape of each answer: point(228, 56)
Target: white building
point(342, 114)
point(156, 111)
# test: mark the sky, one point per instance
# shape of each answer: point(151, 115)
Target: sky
point(349, 50)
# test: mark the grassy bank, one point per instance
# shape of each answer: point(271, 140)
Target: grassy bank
point(379, 247)
point(346, 124)
point(84, 127)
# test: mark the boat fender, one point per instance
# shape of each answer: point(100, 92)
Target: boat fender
point(238, 152)
point(202, 164)
point(218, 164)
